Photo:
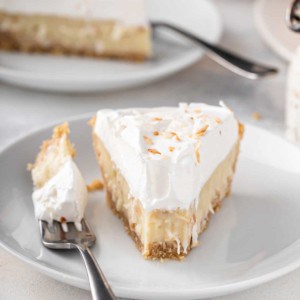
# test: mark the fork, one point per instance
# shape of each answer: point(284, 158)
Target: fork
point(54, 237)
point(225, 58)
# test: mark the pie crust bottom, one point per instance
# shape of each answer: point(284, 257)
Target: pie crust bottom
point(66, 36)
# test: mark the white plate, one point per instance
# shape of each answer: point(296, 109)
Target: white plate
point(254, 238)
point(171, 55)
point(270, 20)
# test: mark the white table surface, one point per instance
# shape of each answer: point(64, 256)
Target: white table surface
point(22, 110)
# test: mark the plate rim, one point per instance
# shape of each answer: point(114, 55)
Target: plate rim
point(148, 293)
point(165, 70)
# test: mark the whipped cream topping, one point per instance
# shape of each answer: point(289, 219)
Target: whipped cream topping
point(167, 154)
point(63, 197)
point(131, 12)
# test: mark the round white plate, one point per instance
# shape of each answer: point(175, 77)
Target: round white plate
point(254, 238)
point(270, 20)
point(73, 74)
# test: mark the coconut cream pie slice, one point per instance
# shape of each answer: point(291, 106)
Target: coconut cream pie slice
point(60, 192)
point(166, 170)
point(101, 28)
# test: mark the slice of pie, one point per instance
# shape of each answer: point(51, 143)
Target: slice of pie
point(100, 28)
point(166, 170)
point(60, 192)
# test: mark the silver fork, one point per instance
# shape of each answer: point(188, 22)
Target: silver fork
point(225, 58)
point(54, 237)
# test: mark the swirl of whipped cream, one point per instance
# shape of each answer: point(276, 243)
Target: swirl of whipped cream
point(167, 154)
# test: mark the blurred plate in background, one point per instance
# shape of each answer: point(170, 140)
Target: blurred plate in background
point(75, 74)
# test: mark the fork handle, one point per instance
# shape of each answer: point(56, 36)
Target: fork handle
point(229, 60)
point(99, 285)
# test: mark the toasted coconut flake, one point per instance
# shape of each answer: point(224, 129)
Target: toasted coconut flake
point(256, 116)
point(61, 130)
point(170, 134)
point(197, 151)
point(197, 110)
point(148, 141)
point(241, 130)
point(63, 220)
point(178, 139)
point(95, 185)
point(218, 120)
point(171, 148)
point(198, 156)
point(92, 121)
point(157, 119)
point(202, 130)
point(156, 133)
point(154, 151)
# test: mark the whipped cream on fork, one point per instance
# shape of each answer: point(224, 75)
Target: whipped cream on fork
point(63, 198)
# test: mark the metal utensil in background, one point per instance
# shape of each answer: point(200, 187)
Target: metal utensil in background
point(292, 16)
point(226, 58)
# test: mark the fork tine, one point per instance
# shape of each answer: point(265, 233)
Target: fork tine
point(43, 227)
point(55, 226)
point(72, 228)
point(86, 226)
point(54, 235)
point(49, 227)
point(81, 240)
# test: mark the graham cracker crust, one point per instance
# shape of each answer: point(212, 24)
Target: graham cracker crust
point(60, 145)
point(158, 251)
point(74, 36)
point(8, 42)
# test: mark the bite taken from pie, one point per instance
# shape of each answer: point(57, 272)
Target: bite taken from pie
point(60, 192)
point(166, 171)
